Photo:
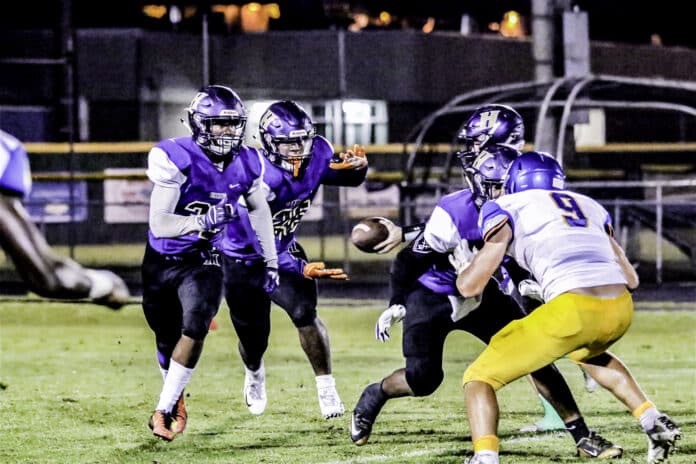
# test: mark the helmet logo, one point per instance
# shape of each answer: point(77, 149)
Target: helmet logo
point(266, 119)
point(489, 119)
point(197, 99)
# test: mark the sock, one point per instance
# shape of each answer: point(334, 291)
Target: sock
point(646, 414)
point(163, 371)
point(578, 429)
point(486, 443)
point(325, 381)
point(258, 374)
point(177, 379)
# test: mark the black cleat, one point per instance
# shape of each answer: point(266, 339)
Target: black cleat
point(596, 446)
point(365, 413)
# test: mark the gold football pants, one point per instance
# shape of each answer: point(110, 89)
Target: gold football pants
point(578, 326)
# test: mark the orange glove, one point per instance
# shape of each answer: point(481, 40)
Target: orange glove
point(317, 270)
point(351, 159)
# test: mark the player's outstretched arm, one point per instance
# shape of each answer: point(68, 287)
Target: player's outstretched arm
point(397, 235)
point(47, 273)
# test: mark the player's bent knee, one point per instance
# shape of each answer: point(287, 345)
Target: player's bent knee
point(423, 379)
point(197, 331)
point(303, 317)
point(476, 375)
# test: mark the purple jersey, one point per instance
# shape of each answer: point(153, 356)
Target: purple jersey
point(180, 162)
point(455, 218)
point(289, 199)
point(15, 175)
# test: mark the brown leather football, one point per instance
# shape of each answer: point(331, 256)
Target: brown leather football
point(368, 233)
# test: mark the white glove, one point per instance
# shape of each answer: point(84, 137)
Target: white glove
point(461, 256)
point(393, 314)
point(394, 238)
point(530, 288)
point(461, 307)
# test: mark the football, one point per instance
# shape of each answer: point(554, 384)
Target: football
point(368, 233)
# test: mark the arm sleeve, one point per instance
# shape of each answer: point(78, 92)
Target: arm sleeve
point(163, 221)
point(161, 170)
point(492, 219)
point(262, 221)
point(345, 177)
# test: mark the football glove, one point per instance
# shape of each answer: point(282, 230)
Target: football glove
point(531, 289)
point(351, 159)
point(216, 216)
point(108, 289)
point(271, 280)
point(395, 313)
point(395, 237)
point(317, 270)
point(461, 256)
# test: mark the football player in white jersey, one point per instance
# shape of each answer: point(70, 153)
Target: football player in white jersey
point(565, 240)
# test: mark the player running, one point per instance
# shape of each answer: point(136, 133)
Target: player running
point(297, 163)
point(197, 181)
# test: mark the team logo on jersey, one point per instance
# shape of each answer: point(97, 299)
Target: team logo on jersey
point(286, 220)
point(420, 245)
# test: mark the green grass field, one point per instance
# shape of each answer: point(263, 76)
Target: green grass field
point(79, 383)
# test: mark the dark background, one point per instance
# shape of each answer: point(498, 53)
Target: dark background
point(616, 20)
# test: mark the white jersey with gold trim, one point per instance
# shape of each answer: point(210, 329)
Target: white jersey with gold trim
point(561, 237)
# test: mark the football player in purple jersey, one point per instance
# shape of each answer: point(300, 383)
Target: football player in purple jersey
point(46, 273)
point(197, 182)
point(425, 297)
point(298, 162)
point(488, 124)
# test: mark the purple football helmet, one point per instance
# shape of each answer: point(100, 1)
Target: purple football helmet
point(217, 118)
point(486, 174)
point(487, 125)
point(287, 133)
point(534, 170)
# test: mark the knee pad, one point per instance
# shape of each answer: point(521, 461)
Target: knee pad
point(423, 376)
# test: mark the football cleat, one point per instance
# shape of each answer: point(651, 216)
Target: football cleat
point(330, 403)
point(179, 415)
point(662, 439)
point(159, 423)
point(597, 447)
point(483, 458)
point(255, 391)
point(365, 413)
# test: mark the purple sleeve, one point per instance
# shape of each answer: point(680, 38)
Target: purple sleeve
point(492, 218)
point(179, 156)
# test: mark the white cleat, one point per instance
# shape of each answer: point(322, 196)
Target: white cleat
point(329, 402)
point(662, 439)
point(483, 458)
point(255, 391)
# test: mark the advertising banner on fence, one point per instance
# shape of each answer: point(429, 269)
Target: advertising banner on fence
point(126, 199)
